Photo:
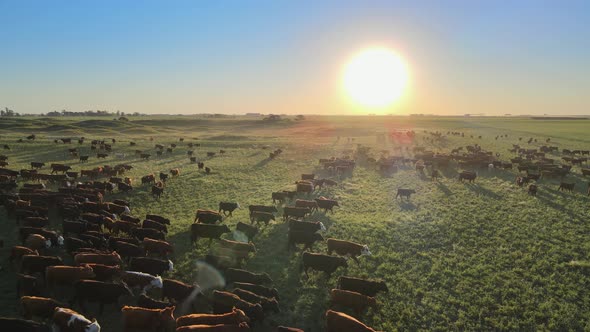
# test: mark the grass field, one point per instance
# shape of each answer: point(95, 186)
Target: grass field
point(456, 256)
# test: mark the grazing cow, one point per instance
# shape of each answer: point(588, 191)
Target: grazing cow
point(27, 285)
point(17, 252)
point(566, 186)
point(466, 175)
point(67, 320)
point(106, 259)
point(306, 226)
point(150, 265)
point(344, 248)
point(207, 231)
point(105, 272)
point(242, 327)
point(67, 275)
point(296, 212)
point(356, 301)
point(157, 191)
point(363, 286)
point(233, 275)
point(145, 301)
point(31, 264)
point(405, 193)
point(157, 246)
point(178, 291)
point(33, 306)
point(142, 233)
point(208, 217)
point(22, 325)
point(37, 242)
point(158, 218)
point(234, 317)
point(147, 223)
point(226, 301)
point(270, 304)
point(228, 207)
point(248, 230)
point(302, 237)
point(302, 203)
point(175, 172)
point(145, 319)
point(98, 291)
point(320, 262)
point(258, 216)
point(326, 204)
point(142, 280)
point(148, 179)
point(341, 322)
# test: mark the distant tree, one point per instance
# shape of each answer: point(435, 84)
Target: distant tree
point(123, 118)
point(300, 117)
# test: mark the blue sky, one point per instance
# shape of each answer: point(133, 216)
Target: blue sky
point(493, 57)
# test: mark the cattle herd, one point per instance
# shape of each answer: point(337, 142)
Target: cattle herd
point(77, 247)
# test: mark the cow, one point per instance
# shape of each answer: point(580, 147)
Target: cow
point(67, 275)
point(356, 301)
point(207, 170)
point(59, 168)
point(37, 165)
point(226, 301)
point(163, 177)
point(75, 227)
point(258, 216)
point(279, 196)
point(124, 187)
point(83, 159)
point(98, 291)
point(566, 186)
point(302, 237)
point(193, 159)
point(208, 217)
point(175, 172)
point(151, 303)
point(22, 325)
point(67, 320)
point(270, 304)
point(341, 322)
point(404, 193)
point(142, 233)
point(362, 286)
point(150, 265)
point(258, 289)
point(302, 203)
point(326, 204)
point(157, 246)
point(123, 226)
point(305, 187)
point(37, 242)
point(178, 291)
point(344, 248)
point(467, 175)
point(27, 285)
point(148, 179)
point(72, 244)
point(288, 329)
point(210, 154)
point(248, 230)
point(228, 207)
point(262, 208)
point(145, 319)
point(234, 317)
point(158, 218)
point(236, 245)
point(107, 259)
point(17, 252)
point(128, 250)
point(148, 223)
point(105, 272)
point(200, 165)
point(207, 231)
point(242, 327)
point(157, 191)
point(31, 264)
point(52, 236)
point(142, 280)
point(297, 212)
point(239, 275)
point(306, 226)
point(320, 262)
point(145, 156)
point(33, 306)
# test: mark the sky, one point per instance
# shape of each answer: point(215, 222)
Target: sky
point(489, 57)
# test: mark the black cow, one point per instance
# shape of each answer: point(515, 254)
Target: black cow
point(150, 265)
point(249, 230)
point(306, 226)
point(466, 175)
point(302, 237)
point(207, 231)
point(98, 291)
point(404, 193)
point(363, 286)
point(228, 207)
point(320, 262)
point(22, 325)
point(239, 275)
point(566, 186)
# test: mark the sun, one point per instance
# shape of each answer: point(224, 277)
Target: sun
point(375, 78)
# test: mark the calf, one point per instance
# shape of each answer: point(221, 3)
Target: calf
point(341, 322)
point(356, 301)
point(33, 306)
point(405, 193)
point(150, 265)
point(157, 191)
point(98, 291)
point(344, 248)
point(228, 207)
point(363, 286)
point(234, 317)
point(233, 275)
point(67, 320)
point(145, 319)
point(325, 263)
point(207, 231)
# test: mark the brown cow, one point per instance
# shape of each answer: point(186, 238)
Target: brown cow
point(142, 280)
point(106, 259)
point(341, 322)
point(67, 275)
point(17, 252)
point(226, 301)
point(236, 316)
point(37, 242)
point(356, 301)
point(344, 248)
point(157, 246)
point(175, 172)
point(34, 306)
point(148, 319)
point(215, 328)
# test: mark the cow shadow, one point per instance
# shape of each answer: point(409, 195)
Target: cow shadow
point(443, 187)
point(407, 205)
point(482, 191)
point(262, 163)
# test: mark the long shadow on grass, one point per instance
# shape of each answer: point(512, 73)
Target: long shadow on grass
point(262, 163)
point(479, 190)
point(443, 187)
